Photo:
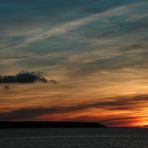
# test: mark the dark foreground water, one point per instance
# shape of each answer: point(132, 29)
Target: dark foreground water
point(74, 138)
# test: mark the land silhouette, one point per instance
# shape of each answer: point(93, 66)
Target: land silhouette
point(48, 124)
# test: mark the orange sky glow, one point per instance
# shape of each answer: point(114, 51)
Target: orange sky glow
point(87, 60)
point(50, 102)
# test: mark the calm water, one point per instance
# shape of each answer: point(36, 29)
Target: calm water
point(74, 138)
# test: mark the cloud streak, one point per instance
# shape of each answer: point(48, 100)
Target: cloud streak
point(69, 26)
point(120, 103)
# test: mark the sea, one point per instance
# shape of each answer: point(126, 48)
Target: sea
point(74, 138)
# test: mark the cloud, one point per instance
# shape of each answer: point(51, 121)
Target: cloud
point(120, 103)
point(69, 26)
point(106, 30)
point(23, 77)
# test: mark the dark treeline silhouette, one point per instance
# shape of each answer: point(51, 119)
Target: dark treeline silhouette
point(23, 77)
point(50, 124)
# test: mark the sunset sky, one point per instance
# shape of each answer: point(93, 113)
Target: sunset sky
point(96, 51)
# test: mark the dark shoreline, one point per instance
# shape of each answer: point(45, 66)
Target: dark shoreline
point(51, 124)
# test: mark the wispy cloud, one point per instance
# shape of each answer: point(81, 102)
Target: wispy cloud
point(97, 51)
point(66, 27)
point(121, 103)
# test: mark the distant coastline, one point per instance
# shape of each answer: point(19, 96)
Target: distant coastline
point(50, 124)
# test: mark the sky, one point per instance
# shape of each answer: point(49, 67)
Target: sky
point(95, 50)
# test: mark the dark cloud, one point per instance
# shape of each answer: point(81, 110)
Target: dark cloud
point(117, 103)
point(120, 121)
point(28, 113)
point(22, 114)
point(23, 77)
point(6, 87)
